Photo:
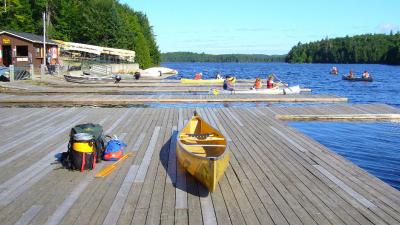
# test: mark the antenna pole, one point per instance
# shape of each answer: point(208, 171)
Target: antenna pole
point(44, 39)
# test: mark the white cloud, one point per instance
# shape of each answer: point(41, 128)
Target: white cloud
point(387, 27)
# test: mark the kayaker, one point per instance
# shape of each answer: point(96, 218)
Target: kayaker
point(257, 83)
point(365, 74)
point(197, 76)
point(334, 70)
point(270, 81)
point(228, 85)
point(351, 75)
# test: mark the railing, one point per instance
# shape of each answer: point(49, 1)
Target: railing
point(99, 70)
point(20, 72)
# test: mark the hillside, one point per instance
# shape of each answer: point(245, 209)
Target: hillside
point(202, 57)
point(99, 22)
point(368, 48)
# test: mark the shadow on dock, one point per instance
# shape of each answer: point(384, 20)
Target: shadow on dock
point(184, 181)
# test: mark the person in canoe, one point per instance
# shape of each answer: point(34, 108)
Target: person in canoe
point(270, 81)
point(334, 70)
point(228, 84)
point(351, 74)
point(197, 76)
point(365, 74)
point(257, 84)
point(218, 76)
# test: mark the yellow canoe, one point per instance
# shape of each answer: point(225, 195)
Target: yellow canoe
point(201, 150)
point(201, 81)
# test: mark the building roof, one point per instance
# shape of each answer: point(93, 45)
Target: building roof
point(28, 37)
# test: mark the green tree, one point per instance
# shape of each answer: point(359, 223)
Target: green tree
point(17, 16)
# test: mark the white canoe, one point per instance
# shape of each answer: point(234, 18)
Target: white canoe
point(157, 72)
point(271, 91)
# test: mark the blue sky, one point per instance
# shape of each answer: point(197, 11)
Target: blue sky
point(261, 26)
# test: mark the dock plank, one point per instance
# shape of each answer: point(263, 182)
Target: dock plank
point(277, 175)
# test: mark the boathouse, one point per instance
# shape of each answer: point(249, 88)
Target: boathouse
point(21, 49)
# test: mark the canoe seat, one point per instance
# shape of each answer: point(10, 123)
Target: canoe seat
point(200, 136)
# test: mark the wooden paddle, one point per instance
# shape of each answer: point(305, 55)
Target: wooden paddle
point(110, 168)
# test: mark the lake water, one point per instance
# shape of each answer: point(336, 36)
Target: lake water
point(384, 89)
point(372, 146)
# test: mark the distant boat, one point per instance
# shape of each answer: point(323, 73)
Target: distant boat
point(369, 79)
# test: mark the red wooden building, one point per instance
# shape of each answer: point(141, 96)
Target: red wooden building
point(22, 49)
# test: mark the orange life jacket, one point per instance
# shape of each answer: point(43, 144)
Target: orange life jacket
point(257, 84)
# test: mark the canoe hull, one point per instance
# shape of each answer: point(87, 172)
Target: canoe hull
point(357, 79)
point(157, 73)
point(207, 171)
point(208, 81)
point(273, 91)
point(205, 158)
point(88, 79)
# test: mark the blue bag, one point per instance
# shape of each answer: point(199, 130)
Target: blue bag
point(113, 150)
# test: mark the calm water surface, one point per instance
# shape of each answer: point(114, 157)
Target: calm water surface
point(372, 146)
point(384, 89)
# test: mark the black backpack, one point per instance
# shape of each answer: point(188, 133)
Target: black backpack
point(78, 160)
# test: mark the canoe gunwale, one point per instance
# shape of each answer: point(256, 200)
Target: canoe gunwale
point(214, 158)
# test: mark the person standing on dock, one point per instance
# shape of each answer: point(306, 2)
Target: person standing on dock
point(48, 62)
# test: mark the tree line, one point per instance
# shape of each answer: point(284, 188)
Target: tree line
point(98, 22)
point(367, 48)
point(202, 57)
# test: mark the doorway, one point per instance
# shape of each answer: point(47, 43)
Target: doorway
point(7, 55)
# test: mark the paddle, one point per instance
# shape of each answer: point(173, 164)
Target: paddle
point(282, 83)
point(110, 168)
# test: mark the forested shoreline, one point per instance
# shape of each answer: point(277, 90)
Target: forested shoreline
point(98, 22)
point(367, 48)
point(202, 57)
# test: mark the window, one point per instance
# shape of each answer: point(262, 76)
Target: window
point(22, 50)
point(38, 52)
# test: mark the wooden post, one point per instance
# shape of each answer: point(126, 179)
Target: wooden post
point(12, 73)
point(42, 70)
point(31, 70)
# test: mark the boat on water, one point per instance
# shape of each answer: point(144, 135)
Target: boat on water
point(201, 81)
point(369, 79)
point(201, 150)
point(206, 81)
point(271, 91)
point(157, 72)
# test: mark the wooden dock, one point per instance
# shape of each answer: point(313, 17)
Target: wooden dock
point(121, 100)
point(277, 175)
